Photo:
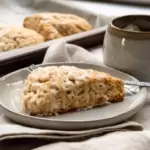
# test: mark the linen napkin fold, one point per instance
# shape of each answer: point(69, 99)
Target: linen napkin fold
point(113, 141)
point(11, 130)
point(61, 52)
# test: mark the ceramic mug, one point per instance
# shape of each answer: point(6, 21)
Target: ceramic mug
point(127, 45)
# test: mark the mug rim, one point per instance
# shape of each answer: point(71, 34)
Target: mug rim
point(112, 28)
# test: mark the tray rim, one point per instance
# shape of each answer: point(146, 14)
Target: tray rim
point(6, 56)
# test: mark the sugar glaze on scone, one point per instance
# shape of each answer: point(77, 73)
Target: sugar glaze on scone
point(52, 90)
point(56, 25)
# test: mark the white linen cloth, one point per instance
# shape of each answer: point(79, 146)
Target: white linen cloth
point(128, 135)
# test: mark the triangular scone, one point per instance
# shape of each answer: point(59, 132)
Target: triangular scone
point(56, 25)
point(53, 90)
point(13, 37)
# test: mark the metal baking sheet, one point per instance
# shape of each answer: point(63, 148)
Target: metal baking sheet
point(14, 12)
point(36, 57)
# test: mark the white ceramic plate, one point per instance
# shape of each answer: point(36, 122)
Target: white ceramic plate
point(11, 104)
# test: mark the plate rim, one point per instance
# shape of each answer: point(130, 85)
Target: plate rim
point(142, 90)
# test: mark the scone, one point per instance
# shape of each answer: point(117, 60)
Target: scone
point(53, 90)
point(12, 37)
point(55, 25)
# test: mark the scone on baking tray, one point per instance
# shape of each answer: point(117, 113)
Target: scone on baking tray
point(56, 25)
point(12, 37)
point(53, 90)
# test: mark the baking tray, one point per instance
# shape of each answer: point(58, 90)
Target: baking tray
point(16, 10)
point(36, 57)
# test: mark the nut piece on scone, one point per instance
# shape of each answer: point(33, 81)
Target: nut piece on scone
point(55, 25)
point(12, 37)
point(53, 90)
